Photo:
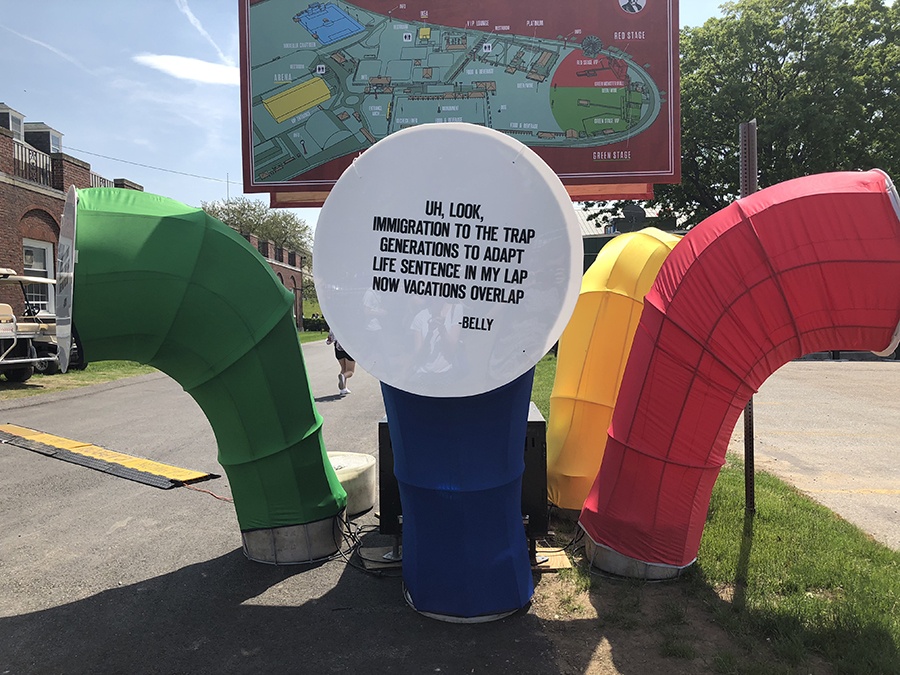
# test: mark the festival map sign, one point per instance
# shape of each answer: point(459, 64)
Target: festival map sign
point(592, 87)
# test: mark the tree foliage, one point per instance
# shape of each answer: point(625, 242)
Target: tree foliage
point(821, 78)
point(252, 216)
point(309, 289)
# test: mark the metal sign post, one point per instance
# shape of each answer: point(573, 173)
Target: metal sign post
point(749, 185)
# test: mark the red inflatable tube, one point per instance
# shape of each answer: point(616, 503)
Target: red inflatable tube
point(809, 265)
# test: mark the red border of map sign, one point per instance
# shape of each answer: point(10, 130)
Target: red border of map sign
point(592, 86)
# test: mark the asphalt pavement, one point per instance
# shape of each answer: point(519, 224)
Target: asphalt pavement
point(103, 575)
point(99, 574)
point(832, 429)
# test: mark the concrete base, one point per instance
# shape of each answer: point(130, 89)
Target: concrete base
point(613, 562)
point(356, 472)
point(295, 544)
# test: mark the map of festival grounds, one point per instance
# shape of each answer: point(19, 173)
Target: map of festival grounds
point(329, 79)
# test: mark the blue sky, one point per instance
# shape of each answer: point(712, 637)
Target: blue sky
point(135, 87)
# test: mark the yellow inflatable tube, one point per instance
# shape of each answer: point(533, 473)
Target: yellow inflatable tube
point(591, 358)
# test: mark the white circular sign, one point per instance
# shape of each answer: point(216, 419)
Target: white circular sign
point(447, 259)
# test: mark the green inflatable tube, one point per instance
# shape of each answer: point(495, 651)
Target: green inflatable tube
point(164, 284)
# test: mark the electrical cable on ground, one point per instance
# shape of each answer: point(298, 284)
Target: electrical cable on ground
point(351, 540)
point(209, 492)
point(355, 542)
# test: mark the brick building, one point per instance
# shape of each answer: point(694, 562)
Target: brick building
point(34, 176)
point(288, 266)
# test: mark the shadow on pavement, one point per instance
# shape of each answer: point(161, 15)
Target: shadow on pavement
point(229, 615)
point(329, 398)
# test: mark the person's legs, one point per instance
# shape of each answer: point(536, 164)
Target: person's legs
point(347, 368)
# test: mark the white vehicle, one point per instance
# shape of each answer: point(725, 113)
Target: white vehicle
point(28, 342)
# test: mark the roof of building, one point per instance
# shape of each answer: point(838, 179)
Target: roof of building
point(588, 227)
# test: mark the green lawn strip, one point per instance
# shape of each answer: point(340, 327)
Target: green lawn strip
point(312, 336)
point(544, 372)
point(802, 577)
point(311, 307)
point(104, 371)
point(795, 577)
point(96, 373)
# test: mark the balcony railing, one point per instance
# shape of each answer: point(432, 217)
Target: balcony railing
point(100, 181)
point(30, 164)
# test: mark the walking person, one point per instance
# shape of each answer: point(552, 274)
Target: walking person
point(348, 365)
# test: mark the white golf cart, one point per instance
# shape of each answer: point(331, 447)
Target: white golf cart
point(27, 342)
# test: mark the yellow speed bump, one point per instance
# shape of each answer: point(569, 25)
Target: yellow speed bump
point(93, 456)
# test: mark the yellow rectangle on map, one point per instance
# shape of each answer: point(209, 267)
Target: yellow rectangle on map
point(306, 95)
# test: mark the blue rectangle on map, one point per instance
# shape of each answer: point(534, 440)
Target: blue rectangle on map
point(328, 23)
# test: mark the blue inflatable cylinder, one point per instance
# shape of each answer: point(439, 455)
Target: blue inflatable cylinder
point(459, 465)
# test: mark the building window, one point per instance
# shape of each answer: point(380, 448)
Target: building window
point(38, 262)
point(55, 143)
point(16, 126)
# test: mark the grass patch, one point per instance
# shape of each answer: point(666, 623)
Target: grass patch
point(544, 373)
point(725, 663)
point(578, 577)
point(673, 614)
point(801, 577)
point(795, 587)
point(312, 336)
point(677, 647)
point(311, 307)
point(97, 372)
point(622, 606)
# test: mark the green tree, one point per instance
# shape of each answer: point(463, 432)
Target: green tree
point(821, 78)
point(252, 216)
point(309, 289)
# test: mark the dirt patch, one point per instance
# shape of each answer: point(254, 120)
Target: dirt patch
point(602, 625)
point(624, 627)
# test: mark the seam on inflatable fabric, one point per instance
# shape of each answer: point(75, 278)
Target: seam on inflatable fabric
point(667, 458)
point(188, 280)
point(690, 334)
point(257, 333)
point(775, 276)
point(272, 322)
point(280, 527)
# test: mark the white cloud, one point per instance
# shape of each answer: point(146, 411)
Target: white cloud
point(195, 22)
point(49, 47)
point(186, 68)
